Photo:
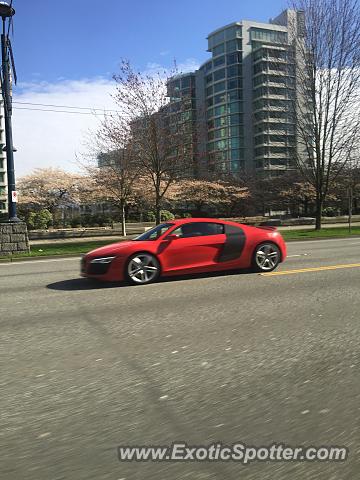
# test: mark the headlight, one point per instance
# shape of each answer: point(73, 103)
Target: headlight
point(102, 260)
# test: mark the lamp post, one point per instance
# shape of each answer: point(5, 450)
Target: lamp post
point(6, 12)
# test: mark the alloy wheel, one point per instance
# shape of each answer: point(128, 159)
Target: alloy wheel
point(267, 257)
point(143, 268)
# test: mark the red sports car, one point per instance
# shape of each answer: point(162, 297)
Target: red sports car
point(184, 246)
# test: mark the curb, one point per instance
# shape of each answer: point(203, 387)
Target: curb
point(39, 257)
point(11, 259)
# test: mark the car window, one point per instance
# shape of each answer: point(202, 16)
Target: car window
point(154, 233)
point(198, 229)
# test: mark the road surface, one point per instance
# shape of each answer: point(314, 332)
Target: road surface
point(232, 358)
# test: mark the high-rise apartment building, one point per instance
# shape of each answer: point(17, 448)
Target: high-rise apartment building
point(3, 176)
point(243, 97)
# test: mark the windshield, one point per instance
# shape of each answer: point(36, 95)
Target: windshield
point(154, 233)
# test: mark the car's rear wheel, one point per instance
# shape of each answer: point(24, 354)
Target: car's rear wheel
point(266, 257)
point(142, 268)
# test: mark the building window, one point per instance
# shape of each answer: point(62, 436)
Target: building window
point(2, 177)
point(236, 154)
point(236, 142)
point(235, 107)
point(2, 206)
point(234, 58)
point(217, 38)
point(2, 191)
point(208, 78)
point(209, 102)
point(234, 83)
point(259, 139)
point(234, 71)
point(219, 74)
point(220, 122)
point(219, 61)
point(233, 45)
point(277, 139)
point(221, 133)
point(220, 145)
point(218, 50)
point(235, 95)
point(209, 91)
point(259, 80)
point(221, 98)
point(268, 35)
point(235, 119)
point(233, 32)
point(208, 67)
point(185, 82)
point(218, 87)
point(236, 131)
point(220, 110)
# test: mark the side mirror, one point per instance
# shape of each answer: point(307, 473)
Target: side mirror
point(171, 237)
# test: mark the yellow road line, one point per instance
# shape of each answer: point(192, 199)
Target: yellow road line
point(313, 269)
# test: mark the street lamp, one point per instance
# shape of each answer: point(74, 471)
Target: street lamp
point(6, 12)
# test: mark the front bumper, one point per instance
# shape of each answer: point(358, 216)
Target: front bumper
point(107, 271)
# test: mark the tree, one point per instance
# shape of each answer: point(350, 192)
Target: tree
point(327, 55)
point(157, 134)
point(235, 196)
point(114, 181)
point(199, 193)
point(51, 188)
point(222, 195)
point(296, 194)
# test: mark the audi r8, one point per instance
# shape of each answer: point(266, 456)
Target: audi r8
point(186, 246)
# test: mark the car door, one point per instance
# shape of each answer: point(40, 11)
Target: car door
point(197, 244)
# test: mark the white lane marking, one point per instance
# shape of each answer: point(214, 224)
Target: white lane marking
point(298, 255)
point(29, 262)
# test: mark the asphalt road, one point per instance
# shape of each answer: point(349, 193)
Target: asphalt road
point(231, 358)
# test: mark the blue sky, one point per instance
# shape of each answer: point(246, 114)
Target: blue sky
point(74, 39)
point(66, 52)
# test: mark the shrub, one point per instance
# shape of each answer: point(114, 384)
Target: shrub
point(75, 222)
point(329, 212)
point(39, 220)
point(165, 215)
point(149, 216)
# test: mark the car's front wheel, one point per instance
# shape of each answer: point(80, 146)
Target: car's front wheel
point(142, 268)
point(266, 257)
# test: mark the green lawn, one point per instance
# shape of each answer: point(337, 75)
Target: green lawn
point(337, 232)
point(65, 248)
point(68, 248)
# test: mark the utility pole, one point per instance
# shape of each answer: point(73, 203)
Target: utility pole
point(350, 205)
point(6, 12)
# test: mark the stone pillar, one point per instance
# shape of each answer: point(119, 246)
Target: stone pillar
point(13, 238)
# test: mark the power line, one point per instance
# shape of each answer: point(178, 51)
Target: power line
point(56, 111)
point(65, 106)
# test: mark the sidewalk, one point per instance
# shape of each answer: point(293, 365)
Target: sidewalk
point(113, 239)
point(324, 225)
point(109, 238)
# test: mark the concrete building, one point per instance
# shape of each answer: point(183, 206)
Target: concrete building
point(3, 177)
point(243, 98)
